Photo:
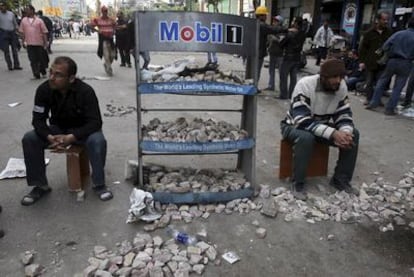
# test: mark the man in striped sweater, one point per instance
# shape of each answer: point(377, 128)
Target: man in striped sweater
point(320, 112)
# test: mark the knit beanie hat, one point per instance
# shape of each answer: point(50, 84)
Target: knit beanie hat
point(332, 68)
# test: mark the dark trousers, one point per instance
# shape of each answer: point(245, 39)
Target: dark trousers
point(38, 58)
point(371, 80)
point(289, 68)
point(321, 53)
point(10, 41)
point(125, 56)
point(303, 142)
point(410, 87)
point(34, 156)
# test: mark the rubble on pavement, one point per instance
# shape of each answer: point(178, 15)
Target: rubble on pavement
point(151, 256)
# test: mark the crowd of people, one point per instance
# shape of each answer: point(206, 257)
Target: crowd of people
point(319, 110)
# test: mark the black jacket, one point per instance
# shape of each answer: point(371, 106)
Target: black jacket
point(265, 30)
point(77, 112)
point(292, 45)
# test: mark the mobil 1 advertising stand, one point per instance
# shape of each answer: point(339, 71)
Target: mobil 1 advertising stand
point(200, 33)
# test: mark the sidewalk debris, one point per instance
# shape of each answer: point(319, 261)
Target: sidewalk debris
point(16, 168)
point(231, 257)
point(15, 104)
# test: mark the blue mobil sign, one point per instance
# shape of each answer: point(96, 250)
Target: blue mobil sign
point(193, 31)
point(174, 32)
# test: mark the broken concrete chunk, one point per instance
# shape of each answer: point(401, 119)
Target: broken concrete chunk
point(261, 233)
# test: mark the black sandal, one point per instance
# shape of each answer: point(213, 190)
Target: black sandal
point(34, 196)
point(103, 193)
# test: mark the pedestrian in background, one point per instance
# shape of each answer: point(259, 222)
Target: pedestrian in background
point(8, 37)
point(400, 50)
point(66, 112)
point(49, 26)
point(292, 46)
point(34, 36)
point(372, 41)
point(265, 30)
point(322, 41)
point(123, 42)
point(106, 45)
point(144, 54)
point(275, 51)
point(320, 112)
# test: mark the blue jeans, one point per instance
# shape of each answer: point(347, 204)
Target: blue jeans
point(399, 67)
point(303, 142)
point(288, 68)
point(274, 61)
point(10, 41)
point(34, 156)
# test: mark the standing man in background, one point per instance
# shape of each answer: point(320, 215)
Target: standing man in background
point(123, 42)
point(400, 49)
point(292, 46)
point(8, 37)
point(322, 40)
point(106, 46)
point(372, 40)
point(34, 36)
point(49, 26)
point(265, 30)
point(275, 53)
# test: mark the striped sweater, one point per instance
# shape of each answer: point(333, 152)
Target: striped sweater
point(317, 111)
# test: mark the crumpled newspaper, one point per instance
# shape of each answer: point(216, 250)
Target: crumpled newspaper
point(142, 207)
point(16, 168)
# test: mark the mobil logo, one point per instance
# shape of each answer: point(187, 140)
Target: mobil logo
point(174, 32)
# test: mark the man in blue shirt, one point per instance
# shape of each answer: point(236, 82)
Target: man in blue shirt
point(400, 50)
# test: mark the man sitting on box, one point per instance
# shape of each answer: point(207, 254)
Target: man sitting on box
point(75, 118)
point(320, 112)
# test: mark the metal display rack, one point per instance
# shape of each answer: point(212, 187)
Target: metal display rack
point(200, 32)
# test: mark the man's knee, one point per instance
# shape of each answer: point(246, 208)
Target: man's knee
point(96, 141)
point(305, 139)
point(356, 136)
point(30, 138)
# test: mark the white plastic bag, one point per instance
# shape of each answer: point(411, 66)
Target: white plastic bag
point(142, 207)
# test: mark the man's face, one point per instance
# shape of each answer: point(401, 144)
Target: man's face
point(331, 84)
point(3, 8)
point(59, 78)
point(29, 12)
point(383, 21)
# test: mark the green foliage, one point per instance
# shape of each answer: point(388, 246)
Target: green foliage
point(17, 5)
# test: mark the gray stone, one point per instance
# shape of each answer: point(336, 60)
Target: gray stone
point(150, 227)
point(156, 272)
point(211, 253)
point(261, 233)
point(269, 208)
point(184, 266)
point(181, 273)
point(33, 270)
point(255, 223)
point(99, 249)
point(27, 257)
point(116, 260)
point(195, 259)
point(143, 256)
point(102, 273)
point(128, 259)
point(198, 268)
point(172, 265)
point(124, 271)
point(157, 241)
point(193, 250)
point(203, 246)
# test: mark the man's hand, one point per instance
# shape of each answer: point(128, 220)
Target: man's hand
point(59, 143)
point(343, 140)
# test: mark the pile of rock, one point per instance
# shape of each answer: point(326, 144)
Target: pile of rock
point(188, 71)
point(30, 269)
point(182, 180)
point(380, 201)
point(151, 256)
point(197, 130)
point(112, 110)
